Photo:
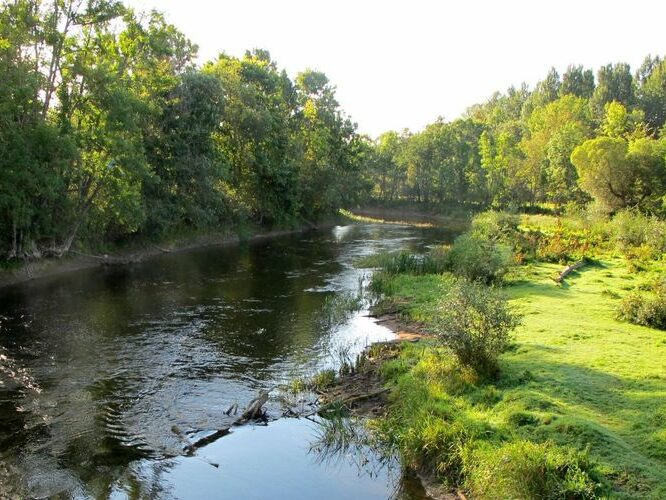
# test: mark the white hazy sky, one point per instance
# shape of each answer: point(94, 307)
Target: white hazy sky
point(400, 64)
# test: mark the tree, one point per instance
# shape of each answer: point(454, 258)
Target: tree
point(254, 138)
point(185, 189)
point(614, 83)
point(330, 167)
point(554, 130)
point(621, 174)
point(577, 81)
point(386, 169)
point(652, 92)
point(618, 122)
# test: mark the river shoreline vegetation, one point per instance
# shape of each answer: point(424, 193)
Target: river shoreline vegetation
point(523, 386)
point(112, 134)
point(540, 373)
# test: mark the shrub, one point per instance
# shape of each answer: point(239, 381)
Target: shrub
point(644, 309)
point(498, 226)
point(655, 235)
point(476, 257)
point(629, 228)
point(475, 322)
point(633, 229)
point(529, 470)
point(322, 380)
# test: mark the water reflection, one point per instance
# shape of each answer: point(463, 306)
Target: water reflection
point(98, 366)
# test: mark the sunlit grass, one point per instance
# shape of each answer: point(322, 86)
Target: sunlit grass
point(580, 389)
point(376, 220)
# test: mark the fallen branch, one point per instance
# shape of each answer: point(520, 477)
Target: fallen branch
point(214, 436)
point(254, 410)
point(354, 398)
point(568, 270)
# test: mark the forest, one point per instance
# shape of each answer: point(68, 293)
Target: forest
point(572, 139)
point(112, 133)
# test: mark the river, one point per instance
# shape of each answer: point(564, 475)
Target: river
point(99, 368)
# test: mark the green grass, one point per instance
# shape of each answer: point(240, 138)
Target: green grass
point(581, 399)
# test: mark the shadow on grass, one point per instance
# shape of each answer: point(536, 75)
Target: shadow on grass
point(601, 392)
point(615, 416)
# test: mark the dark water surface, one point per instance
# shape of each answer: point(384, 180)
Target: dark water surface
point(98, 366)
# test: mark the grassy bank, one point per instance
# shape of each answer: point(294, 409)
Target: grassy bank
point(579, 407)
point(458, 219)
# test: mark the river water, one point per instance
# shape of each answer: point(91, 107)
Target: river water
point(102, 370)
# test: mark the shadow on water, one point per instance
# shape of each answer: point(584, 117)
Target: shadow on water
point(98, 366)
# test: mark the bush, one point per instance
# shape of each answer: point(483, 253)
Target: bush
point(629, 228)
point(644, 309)
point(655, 235)
point(498, 226)
point(529, 470)
point(475, 322)
point(476, 257)
point(633, 229)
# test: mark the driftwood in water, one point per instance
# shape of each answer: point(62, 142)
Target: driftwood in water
point(254, 410)
point(350, 400)
point(210, 438)
point(568, 270)
point(233, 408)
point(109, 260)
point(163, 250)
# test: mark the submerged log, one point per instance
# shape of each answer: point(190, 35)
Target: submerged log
point(568, 270)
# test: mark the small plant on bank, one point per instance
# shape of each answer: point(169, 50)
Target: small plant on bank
point(317, 383)
point(475, 321)
point(392, 263)
point(323, 380)
point(337, 308)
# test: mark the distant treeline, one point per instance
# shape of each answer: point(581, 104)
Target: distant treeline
point(570, 140)
point(108, 131)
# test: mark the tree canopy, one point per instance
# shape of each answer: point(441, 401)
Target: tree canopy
point(109, 131)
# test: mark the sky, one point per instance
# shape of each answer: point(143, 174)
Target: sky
point(402, 64)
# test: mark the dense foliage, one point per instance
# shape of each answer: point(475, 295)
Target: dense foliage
point(108, 131)
point(569, 140)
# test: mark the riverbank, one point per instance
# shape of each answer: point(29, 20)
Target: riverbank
point(577, 410)
point(77, 261)
point(125, 363)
